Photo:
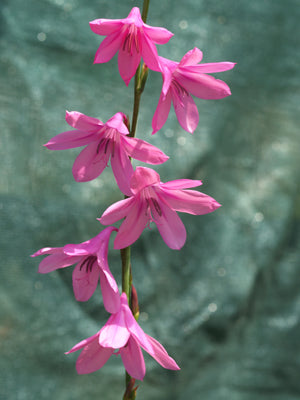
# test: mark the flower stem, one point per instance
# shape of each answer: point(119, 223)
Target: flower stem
point(139, 85)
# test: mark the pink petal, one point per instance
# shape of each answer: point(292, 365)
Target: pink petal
point(56, 261)
point(82, 122)
point(92, 358)
point(192, 57)
point(143, 151)
point(83, 343)
point(133, 326)
point(117, 122)
point(85, 280)
point(161, 113)
point(189, 201)
point(114, 333)
point(161, 356)
point(70, 140)
point(91, 161)
point(149, 53)
point(117, 211)
point(134, 224)
point(134, 17)
point(186, 110)
point(110, 292)
point(133, 359)
point(167, 72)
point(122, 168)
point(157, 35)
point(47, 250)
point(180, 184)
point(91, 246)
point(143, 177)
point(106, 27)
point(128, 63)
point(108, 48)
point(208, 68)
point(203, 86)
point(170, 226)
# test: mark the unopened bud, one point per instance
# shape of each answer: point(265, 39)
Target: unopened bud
point(126, 121)
point(134, 303)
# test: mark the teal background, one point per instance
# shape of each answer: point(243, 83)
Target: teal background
point(227, 305)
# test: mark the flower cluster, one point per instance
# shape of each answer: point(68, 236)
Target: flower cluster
point(147, 198)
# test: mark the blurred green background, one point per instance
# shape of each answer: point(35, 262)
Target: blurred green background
point(227, 305)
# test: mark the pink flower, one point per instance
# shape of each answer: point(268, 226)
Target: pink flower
point(91, 260)
point(185, 78)
point(122, 332)
point(104, 141)
point(133, 39)
point(152, 200)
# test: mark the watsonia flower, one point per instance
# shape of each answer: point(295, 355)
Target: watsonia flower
point(91, 262)
point(104, 141)
point(182, 79)
point(133, 39)
point(153, 200)
point(122, 332)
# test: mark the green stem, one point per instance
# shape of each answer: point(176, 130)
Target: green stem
point(139, 84)
point(145, 10)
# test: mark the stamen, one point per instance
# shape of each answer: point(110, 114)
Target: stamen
point(156, 206)
point(89, 261)
point(99, 144)
point(106, 146)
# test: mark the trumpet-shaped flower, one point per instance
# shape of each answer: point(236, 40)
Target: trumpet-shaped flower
point(132, 38)
point(182, 79)
point(91, 262)
point(104, 141)
point(121, 332)
point(152, 200)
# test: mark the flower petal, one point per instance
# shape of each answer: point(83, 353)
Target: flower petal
point(161, 356)
point(106, 27)
point(157, 35)
point(85, 280)
point(161, 113)
point(92, 358)
point(56, 261)
point(189, 201)
point(149, 53)
point(134, 224)
point(143, 177)
point(192, 57)
point(133, 359)
point(108, 48)
point(117, 211)
point(180, 184)
point(117, 122)
point(91, 246)
point(128, 61)
point(122, 168)
point(83, 122)
point(83, 343)
point(169, 225)
point(203, 86)
point(208, 68)
point(70, 140)
point(186, 110)
point(110, 291)
point(114, 333)
point(47, 250)
point(143, 151)
point(133, 326)
point(91, 161)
